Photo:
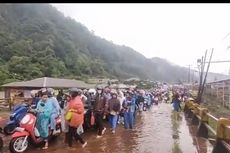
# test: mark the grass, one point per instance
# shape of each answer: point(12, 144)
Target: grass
point(215, 108)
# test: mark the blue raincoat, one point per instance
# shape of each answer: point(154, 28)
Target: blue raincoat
point(176, 104)
point(44, 110)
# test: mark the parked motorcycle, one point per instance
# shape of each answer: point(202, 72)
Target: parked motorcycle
point(27, 129)
point(16, 116)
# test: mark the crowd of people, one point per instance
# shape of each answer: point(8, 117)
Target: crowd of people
point(104, 104)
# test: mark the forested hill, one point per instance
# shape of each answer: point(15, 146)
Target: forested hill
point(37, 41)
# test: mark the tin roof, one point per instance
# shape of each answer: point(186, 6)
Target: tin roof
point(50, 82)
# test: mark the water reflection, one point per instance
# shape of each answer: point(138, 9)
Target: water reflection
point(176, 119)
point(153, 133)
point(202, 144)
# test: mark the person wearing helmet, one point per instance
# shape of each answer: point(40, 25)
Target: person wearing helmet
point(114, 107)
point(91, 98)
point(35, 98)
point(140, 100)
point(129, 108)
point(99, 109)
point(84, 98)
point(121, 98)
point(77, 118)
point(56, 110)
point(107, 93)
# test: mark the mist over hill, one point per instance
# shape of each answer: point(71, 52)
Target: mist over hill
point(37, 40)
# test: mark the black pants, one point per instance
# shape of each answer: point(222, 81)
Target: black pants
point(99, 122)
point(73, 133)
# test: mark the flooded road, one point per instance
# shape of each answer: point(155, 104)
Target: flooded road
point(156, 131)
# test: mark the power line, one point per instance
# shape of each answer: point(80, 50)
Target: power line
point(226, 61)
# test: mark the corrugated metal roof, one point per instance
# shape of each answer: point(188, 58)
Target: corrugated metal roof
point(219, 81)
point(50, 82)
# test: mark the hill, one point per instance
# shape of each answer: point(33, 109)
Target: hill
point(39, 41)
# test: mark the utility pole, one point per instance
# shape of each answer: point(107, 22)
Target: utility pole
point(202, 66)
point(189, 73)
point(205, 78)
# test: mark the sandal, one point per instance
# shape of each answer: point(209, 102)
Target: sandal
point(45, 147)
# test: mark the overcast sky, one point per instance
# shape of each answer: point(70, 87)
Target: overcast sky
point(179, 33)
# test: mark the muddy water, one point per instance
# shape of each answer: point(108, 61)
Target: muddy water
point(156, 131)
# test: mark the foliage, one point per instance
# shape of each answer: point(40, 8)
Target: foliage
point(36, 40)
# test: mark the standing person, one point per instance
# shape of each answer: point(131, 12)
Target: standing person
point(156, 99)
point(135, 96)
point(140, 100)
point(43, 109)
point(99, 109)
point(35, 98)
point(77, 118)
point(107, 93)
point(65, 127)
point(147, 101)
point(121, 98)
point(176, 102)
point(56, 110)
point(84, 97)
point(129, 109)
point(114, 107)
point(60, 98)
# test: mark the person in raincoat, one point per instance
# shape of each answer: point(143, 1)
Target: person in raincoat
point(99, 109)
point(121, 98)
point(114, 108)
point(129, 108)
point(140, 100)
point(77, 118)
point(43, 109)
point(176, 103)
point(56, 110)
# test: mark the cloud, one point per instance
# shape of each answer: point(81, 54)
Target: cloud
point(178, 32)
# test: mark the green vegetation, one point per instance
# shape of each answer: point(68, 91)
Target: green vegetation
point(36, 40)
point(215, 106)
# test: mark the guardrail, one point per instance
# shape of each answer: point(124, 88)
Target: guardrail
point(219, 128)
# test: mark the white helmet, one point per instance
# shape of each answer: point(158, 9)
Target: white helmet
point(92, 91)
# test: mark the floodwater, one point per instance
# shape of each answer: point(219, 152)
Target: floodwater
point(158, 130)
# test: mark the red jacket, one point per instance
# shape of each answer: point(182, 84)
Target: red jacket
point(78, 111)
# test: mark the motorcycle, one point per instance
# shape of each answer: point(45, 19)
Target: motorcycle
point(16, 116)
point(20, 138)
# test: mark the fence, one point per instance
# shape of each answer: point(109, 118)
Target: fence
point(9, 103)
point(210, 126)
point(221, 92)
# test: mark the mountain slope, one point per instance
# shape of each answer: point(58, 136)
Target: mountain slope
point(37, 41)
